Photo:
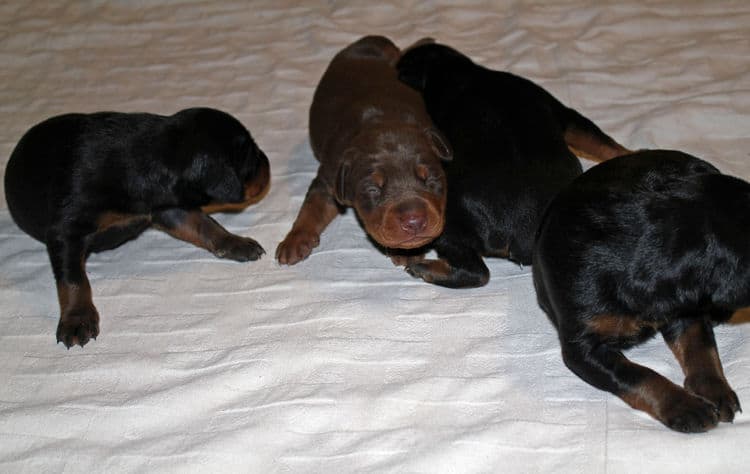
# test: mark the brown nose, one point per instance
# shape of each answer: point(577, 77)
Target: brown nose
point(413, 221)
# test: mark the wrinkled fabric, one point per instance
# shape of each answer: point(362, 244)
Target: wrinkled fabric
point(342, 363)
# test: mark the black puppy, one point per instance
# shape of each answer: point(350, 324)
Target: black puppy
point(83, 183)
point(513, 146)
point(653, 241)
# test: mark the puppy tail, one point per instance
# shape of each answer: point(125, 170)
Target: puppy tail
point(587, 140)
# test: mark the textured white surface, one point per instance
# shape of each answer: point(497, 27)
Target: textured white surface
point(342, 363)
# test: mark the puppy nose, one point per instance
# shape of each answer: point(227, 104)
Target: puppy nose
point(413, 221)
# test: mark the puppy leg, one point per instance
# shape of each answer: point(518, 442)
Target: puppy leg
point(202, 231)
point(405, 258)
point(693, 344)
point(79, 320)
point(318, 210)
point(459, 266)
point(608, 369)
point(587, 140)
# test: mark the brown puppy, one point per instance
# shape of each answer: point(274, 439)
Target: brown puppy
point(378, 152)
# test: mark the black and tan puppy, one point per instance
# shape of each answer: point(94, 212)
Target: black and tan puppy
point(513, 146)
point(378, 153)
point(650, 242)
point(83, 183)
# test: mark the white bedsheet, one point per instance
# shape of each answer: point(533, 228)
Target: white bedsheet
point(342, 363)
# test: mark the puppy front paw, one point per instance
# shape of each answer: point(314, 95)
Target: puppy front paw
point(688, 413)
point(717, 391)
point(405, 260)
point(296, 247)
point(424, 269)
point(240, 249)
point(78, 326)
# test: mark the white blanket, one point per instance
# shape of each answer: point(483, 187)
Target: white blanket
point(342, 363)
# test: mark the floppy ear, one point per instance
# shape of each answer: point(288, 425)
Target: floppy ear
point(344, 192)
point(439, 144)
point(215, 178)
point(344, 189)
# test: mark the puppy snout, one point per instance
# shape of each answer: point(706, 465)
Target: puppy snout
point(413, 220)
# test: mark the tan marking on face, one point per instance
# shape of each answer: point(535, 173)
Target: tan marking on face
point(378, 178)
point(384, 224)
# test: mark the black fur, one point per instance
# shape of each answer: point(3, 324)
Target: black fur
point(653, 241)
point(83, 183)
point(510, 158)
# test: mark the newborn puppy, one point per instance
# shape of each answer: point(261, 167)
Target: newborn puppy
point(378, 153)
point(83, 183)
point(513, 146)
point(653, 241)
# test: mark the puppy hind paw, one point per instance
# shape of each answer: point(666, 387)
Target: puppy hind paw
point(240, 249)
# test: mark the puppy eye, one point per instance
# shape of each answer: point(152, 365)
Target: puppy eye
point(423, 172)
point(372, 191)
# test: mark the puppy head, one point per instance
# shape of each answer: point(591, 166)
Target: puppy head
point(222, 167)
point(396, 183)
point(421, 60)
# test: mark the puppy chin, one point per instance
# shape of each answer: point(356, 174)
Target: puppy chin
point(386, 236)
point(405, 224)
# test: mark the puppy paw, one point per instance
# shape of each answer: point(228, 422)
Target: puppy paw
point(403, 260)
point(717, 391)
point(425, 269)
point(297, 246)
point(688, 413)
point(241, 249)
point(78, 326)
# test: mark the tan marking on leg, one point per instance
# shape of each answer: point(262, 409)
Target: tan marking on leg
point(591, 147)
point(74, 295)
point(610, 325)
point(109, 219)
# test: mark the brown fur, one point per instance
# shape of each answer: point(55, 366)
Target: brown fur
point(378, 153)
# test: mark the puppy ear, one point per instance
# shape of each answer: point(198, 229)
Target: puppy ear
point(344, 189)
point(344, 192)
point(439, 144)
point(215, 178)
point(414, 63)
